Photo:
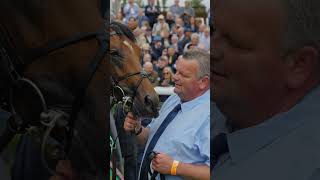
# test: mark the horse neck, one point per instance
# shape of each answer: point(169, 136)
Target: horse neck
point(33, 23)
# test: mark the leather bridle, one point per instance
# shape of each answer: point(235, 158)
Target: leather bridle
point(11, 57)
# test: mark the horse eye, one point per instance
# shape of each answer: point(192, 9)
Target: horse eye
point(115, 53)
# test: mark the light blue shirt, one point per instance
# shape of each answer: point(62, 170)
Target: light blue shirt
point(187, 137)
point(205, 41)
point(131, 11)
point(177, 11)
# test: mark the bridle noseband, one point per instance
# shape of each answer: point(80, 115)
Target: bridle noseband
point(125, 99)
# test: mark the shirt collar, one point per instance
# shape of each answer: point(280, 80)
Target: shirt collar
point(205, 97)
point(245, 142)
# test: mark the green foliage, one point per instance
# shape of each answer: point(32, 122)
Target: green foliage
point(164, 3)
point(199, 8)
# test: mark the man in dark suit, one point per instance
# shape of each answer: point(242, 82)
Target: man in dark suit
point(172, 57)
point(152, 12)
point(186, 39)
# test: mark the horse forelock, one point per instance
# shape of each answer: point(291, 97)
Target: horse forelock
point(122, 30)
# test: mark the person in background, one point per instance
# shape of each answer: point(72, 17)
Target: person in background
point(141, 36)
point(188, 9)
point(160, 26)
point(145, 49)
point(165, 35)
point(157, 47)
point(162, 62)
point(180, 33)
point(141, 17)
point(204, 41)
point(165, 52)
point(146, 58)
point(176, 9)
point(172, 56)
point(167, 77)
point(148, 35)
point(174, 43)
point(132, 24)
point(193, 43)
point(179, 22)
point(119, 17)
point(170, 19)
point(153, 75)
point(152, 12)
point(193, 25)
point(201, 29)
point(186, 39)
point(131, 9)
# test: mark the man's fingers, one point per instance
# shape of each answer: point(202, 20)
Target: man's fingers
point(64, 167)
point(154, 167)
point(131, 124)
point(156, 160)
point(58, 177)
point(155, 164)
point(130, 115)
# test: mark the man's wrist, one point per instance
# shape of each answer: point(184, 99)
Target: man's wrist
point(174, 167)
point(137, 132)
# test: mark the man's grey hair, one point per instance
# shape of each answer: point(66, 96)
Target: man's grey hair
point(195, 35)
point(203, 59)
point(303, 24)
point(163, 58)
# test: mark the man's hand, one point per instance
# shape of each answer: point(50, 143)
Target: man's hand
point(131, 123)
point(162, 163)
point(65, 171)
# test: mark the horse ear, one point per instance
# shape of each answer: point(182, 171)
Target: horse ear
point(26, 101)
point(104, 9)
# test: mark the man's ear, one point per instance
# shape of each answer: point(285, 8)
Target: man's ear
point(204, 82)
point(301, 66)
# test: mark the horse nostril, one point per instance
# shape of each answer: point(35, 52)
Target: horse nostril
point(148, 101)
point(152, 105)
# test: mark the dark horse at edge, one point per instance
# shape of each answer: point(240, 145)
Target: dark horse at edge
point(60, 74)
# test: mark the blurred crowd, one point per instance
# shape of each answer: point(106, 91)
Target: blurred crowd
point(164, 35)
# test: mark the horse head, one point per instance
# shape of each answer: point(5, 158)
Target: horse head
point(127, 75)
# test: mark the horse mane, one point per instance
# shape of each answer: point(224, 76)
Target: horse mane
point(120, 28)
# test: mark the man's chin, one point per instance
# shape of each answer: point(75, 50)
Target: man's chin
point(176, 90)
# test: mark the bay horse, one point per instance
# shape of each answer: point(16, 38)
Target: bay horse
point(72, 75)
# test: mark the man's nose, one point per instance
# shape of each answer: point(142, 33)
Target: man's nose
point(175, 78)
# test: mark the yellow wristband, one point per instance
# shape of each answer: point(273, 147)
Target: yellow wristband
point(174, 167)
